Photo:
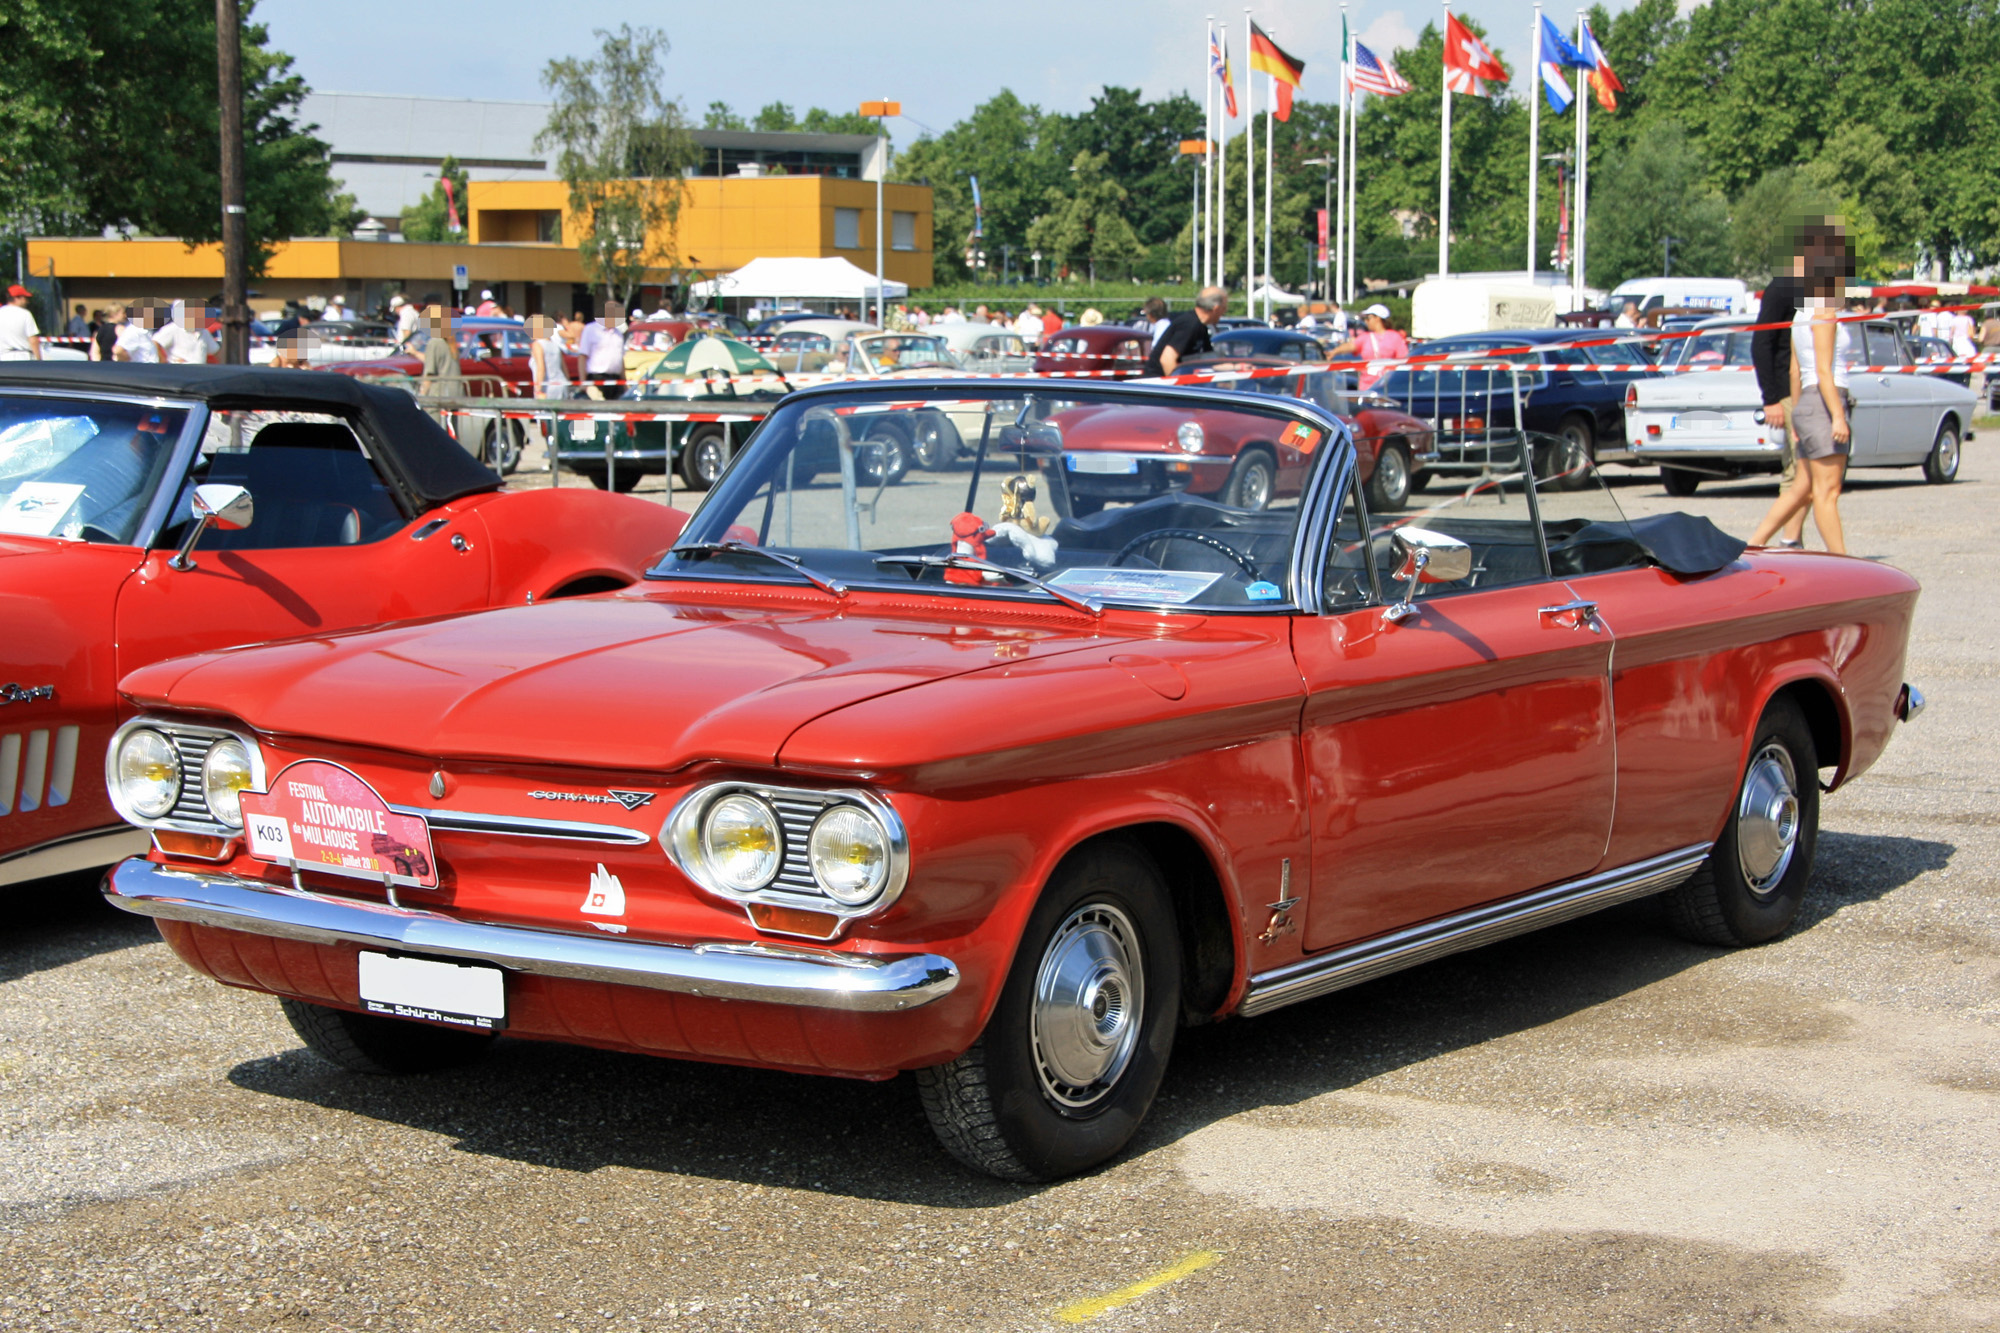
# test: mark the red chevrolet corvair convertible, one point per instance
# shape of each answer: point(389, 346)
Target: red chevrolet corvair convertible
point(943, 777)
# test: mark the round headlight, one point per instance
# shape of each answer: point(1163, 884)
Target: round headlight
point(741, 843)
point(224, 775)
point(149, 773)
point(1189, 436)
point(849, 852)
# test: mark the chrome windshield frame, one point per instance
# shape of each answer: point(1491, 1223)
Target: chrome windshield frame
point(1318, 497)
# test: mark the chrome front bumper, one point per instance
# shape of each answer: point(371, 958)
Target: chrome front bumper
point(773, 974)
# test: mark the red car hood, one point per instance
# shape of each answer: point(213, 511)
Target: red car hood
point(1125, 426)
point(622, 682)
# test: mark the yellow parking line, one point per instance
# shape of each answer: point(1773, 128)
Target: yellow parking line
point(1084, 1311)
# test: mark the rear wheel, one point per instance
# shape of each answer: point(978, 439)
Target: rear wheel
point(500, 444)
point(1389, 485)
point(935, 447)
point(1577, 453)
point(1252, 482)
point(1941, 463)
point(622, 480)
point(1074, 1052)
point(1750, 888)
point(1679, 481)
point(370, 1044)
point(703, 456)
point(883, 455)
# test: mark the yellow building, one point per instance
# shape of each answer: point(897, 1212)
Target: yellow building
point(727, 221)
point(517, 247)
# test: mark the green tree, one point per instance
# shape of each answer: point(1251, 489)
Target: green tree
point(720, 117)
point(111, 121)
point(1764, 222)
point(1085, 223)
point(620, 147)
point(1656, 189)
point(1009, 146)
point(429, 219)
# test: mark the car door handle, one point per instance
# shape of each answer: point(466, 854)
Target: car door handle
point(1584, 610)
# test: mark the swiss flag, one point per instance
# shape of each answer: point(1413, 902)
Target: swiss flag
point(1466, 59)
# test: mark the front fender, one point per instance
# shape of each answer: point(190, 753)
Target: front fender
point(542, 540)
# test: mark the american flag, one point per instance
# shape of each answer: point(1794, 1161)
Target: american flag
point(1370, 75)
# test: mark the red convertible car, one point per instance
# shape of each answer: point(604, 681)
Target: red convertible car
point(150, 511)
point(1111, 351)
point(948, 778)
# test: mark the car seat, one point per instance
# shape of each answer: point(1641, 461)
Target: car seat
point(312, 486)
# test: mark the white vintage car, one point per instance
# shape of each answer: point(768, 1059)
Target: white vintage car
point(1708, 424)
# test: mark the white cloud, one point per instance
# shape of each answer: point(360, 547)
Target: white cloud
point(1391, 32)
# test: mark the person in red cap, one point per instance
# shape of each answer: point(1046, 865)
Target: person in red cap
point(20, 339)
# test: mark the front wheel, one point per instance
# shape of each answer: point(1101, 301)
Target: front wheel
point(1075, 1050)
point(1680, 482)
point(1750, 888)
point(1576, 455)
point(1252, 482)
point(1941, 463)
point(371, 1044)
point(1389, 485)
point(622, 480)
point(703, 456)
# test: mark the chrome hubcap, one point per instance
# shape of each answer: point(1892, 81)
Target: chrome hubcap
point(1395, 479)
point(1090, 995)
point(1947, 452)
point(1767, 819)
point(1256, 487)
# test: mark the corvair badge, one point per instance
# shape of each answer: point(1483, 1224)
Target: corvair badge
point(10, 693)
point(631, 800)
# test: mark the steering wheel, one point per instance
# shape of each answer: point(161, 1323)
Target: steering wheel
point(1199, 538)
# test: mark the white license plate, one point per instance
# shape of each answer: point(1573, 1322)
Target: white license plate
point(1112, 464)
point(464, 995)
point(1702, 421)
point(583, 430)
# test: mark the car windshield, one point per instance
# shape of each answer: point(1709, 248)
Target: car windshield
point(81, 468)
point(1112, 497)
point(906, 351)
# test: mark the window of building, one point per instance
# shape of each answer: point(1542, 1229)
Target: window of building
point(902, 231)
point(847, 229)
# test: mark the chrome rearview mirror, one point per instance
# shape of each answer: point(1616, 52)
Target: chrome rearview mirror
point(1424, 556)
point(223, 506)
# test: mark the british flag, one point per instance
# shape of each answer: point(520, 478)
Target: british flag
point(1218, 62)
point(1372, 75)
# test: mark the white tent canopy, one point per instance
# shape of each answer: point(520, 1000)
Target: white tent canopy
point(1274, 294)
point(832, 279)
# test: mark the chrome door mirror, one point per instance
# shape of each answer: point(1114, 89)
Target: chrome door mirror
point(224, 506)
point(1424, 557)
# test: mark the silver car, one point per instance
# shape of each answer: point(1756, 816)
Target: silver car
point(1707, 422)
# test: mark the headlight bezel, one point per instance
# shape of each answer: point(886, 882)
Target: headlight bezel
point(799, 811)
point(1190, 437)
point(181, 816)
point(116, 769)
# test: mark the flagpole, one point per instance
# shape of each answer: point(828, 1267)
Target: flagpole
point(1336, 254)
point(1444, 166)
point(1270, 115)
point(1249, 168)
point(1355, 187)
point(1576, 136)
point(1207, 156)
point(1221, 205)
point(1582, 168)
point(1534, 140)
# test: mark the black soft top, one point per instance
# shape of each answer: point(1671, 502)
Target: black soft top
point(426, 461)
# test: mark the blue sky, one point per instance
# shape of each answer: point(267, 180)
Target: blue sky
point(939, 59)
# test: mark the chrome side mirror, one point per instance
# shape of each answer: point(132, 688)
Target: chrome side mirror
point(1425, 557)
point(227, 507)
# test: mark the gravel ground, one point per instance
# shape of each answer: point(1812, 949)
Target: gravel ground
point(1595, 1127)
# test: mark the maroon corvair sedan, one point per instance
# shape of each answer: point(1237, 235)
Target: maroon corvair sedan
point(957, 779)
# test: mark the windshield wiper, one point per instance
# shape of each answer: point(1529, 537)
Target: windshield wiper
point(791, 562)
point(1087, 605)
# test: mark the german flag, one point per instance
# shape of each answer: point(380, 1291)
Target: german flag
point(1286, 70)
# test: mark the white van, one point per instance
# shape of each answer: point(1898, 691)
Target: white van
point(1483, 302)
point(1725, 296)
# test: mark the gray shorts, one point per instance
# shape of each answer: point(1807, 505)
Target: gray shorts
point(1812, 427)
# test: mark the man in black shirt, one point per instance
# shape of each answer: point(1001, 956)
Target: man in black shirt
point(1187, 333)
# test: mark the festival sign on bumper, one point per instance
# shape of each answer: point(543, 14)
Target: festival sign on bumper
point(319, 816)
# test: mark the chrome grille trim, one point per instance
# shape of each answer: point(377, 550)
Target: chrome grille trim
point(524, 826)
point(192, 742)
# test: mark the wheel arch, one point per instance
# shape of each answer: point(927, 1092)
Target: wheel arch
point(1819, 698)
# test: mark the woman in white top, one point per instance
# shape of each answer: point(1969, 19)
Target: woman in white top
point(1822, 348)
point(547, 371)
point(135, 336)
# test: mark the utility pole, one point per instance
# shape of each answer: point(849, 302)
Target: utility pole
point(880, 111)
point(235, 237)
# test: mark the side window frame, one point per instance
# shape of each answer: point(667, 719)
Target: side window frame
point(183, 487)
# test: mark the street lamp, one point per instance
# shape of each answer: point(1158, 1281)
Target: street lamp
point(1325, 268)
point(880, 112)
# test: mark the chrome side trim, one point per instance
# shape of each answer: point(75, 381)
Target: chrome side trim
point(723, 970)
point(82, 851)
point(1352, 964)
point(524, 826)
